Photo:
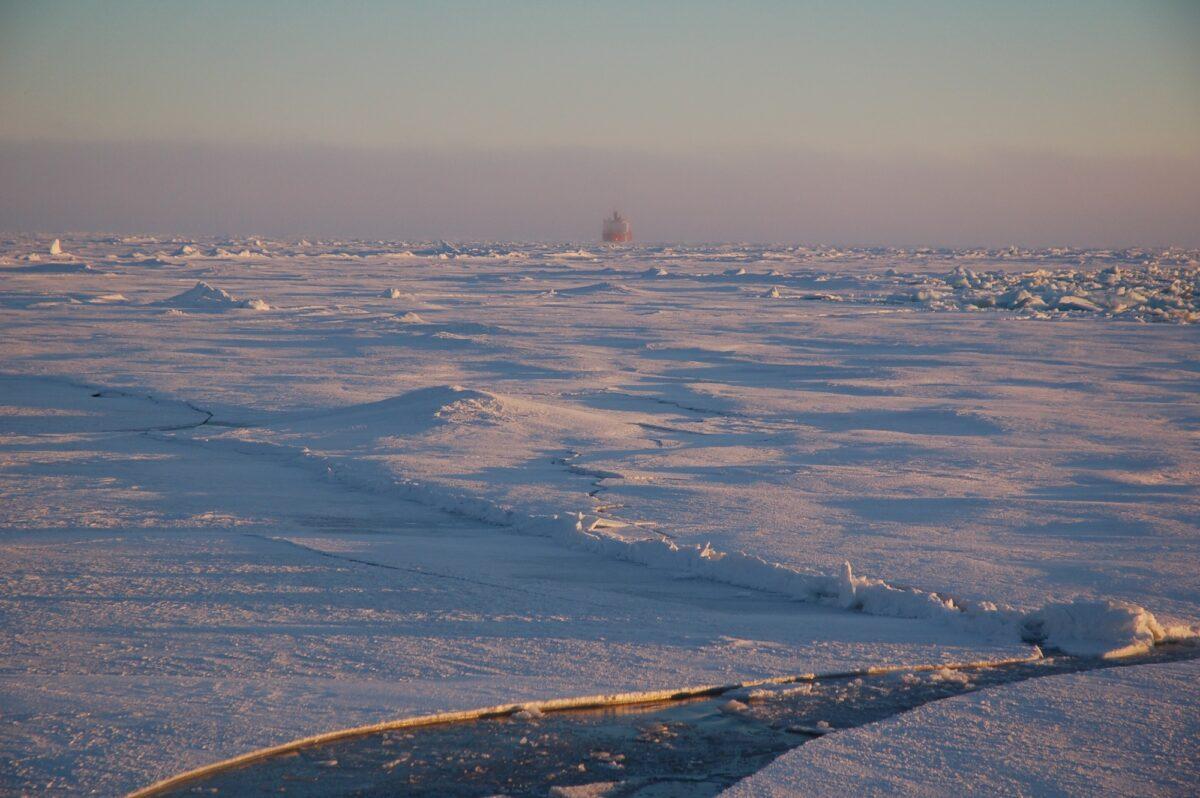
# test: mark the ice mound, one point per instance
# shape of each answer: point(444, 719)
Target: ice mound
point(441, 410)
point(443, 250)
point(1094, 628)
point(469, 406)
point(408, 414)
point(203, 296)
point(392, 293)
point(410, 318)
point(156, 258)
point(606, 287)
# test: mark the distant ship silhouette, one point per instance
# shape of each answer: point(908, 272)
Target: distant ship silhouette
point(617, 229)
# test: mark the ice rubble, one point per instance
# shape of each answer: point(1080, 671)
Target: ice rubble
point(595, 789)
point(574, 254)
point(242, 254)
point(1149, 292)
point(203, 296)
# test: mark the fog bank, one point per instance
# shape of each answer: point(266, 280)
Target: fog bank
point(996, 199)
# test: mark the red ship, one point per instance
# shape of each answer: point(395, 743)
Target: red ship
point(617, 230)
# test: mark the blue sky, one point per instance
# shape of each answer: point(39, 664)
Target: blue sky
point(1100, 86)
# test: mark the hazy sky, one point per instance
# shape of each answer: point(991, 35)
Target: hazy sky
point(869, 122)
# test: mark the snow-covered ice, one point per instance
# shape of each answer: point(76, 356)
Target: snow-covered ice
point(438, 476)
point(1125, 731)
point(270, 600)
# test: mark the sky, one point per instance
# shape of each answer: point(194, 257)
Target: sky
point(954, 123)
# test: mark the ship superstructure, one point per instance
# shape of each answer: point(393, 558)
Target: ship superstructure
point(617, 229)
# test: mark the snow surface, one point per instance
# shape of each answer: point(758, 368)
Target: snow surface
point(1124, 731)
point(168, 603)
point(695, 464)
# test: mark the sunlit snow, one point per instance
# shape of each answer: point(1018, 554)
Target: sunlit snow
point(256, 490)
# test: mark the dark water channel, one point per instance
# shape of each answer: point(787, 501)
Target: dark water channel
point(668, 749)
